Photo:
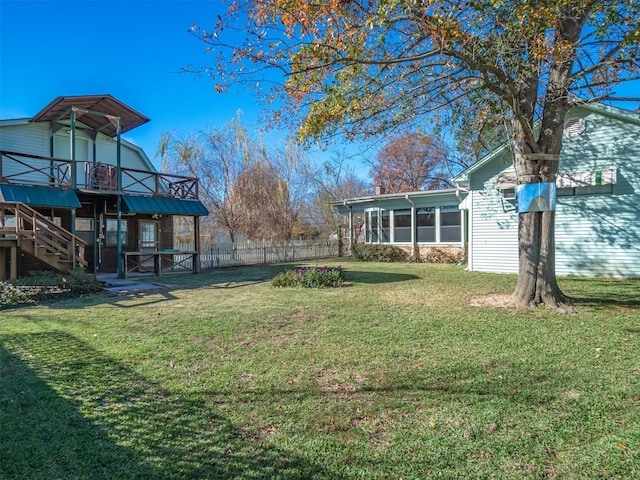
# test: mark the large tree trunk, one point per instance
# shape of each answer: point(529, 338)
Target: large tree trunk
point(536, 230)
point(537, 160)
point(537, 272)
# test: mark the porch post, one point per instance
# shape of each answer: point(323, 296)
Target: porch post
point(51, 154)
point(118, 201)
point(74, 167)
point(196, 243)
point(13, 263)
point(3, 265)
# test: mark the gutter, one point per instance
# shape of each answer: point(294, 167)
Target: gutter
point(461, 189)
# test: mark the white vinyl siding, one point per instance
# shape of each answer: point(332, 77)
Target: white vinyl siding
point(597, 237)
point(599, 234)
point(597, 229)
point(25, 137)
point(30, 138)
point(83, 151)
point(494, 241)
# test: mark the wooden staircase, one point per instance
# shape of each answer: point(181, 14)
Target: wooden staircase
point(24, 229)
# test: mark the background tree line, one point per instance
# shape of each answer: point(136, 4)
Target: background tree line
point(257, 192)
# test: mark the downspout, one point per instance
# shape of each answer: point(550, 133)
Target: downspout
point(465, 222)
point(413, 226)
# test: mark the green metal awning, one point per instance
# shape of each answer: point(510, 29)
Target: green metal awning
point(39, 196)
point(166, 206)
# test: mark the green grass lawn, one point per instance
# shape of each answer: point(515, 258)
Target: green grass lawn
point(395, 377)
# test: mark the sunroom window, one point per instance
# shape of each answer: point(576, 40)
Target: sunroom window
point(402, 226)
point(450, 224)
point(374, 226)
point(426, 224)
point(386, 226)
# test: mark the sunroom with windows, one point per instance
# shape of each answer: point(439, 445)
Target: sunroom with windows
point(414, 221)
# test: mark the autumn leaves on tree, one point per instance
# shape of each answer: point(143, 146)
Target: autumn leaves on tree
point(409, 163)
point(360, 69)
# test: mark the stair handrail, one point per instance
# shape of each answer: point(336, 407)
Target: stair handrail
point(62, 241)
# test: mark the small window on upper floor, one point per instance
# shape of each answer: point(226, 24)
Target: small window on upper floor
point(509, 194)
point(574, 127)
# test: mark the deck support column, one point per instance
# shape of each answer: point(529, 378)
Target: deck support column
point(3, 265)
point(196, 243)
point(119, 273)
point(74, 167)
point(13, 266)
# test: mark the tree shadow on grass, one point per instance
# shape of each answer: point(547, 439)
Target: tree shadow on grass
point(611, 293)
point(247, 276)
point(67, 411)
point(378, 277)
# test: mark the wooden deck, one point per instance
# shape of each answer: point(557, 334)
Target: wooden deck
point(101, 176)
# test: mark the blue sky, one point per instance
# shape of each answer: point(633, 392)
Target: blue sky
point(133, 50)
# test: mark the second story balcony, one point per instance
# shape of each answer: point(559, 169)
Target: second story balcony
point(99, 177)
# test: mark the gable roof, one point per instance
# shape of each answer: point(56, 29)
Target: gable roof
point(125, 143)
point(59, 108)
point(607, 110)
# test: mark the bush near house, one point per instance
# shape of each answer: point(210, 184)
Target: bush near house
point(379, 253)
point(42, 285)
point(441, 255)
point(11, 295)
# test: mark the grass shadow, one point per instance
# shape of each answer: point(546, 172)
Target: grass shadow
point(610, 293)
point(46, 436)
point(358, 276)
point(246, 276)
point(70, 412)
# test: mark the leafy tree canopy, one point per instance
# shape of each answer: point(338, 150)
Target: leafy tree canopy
point(410, 162)
point(361, 68)
point(366, 67)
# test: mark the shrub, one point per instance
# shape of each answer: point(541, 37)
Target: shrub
point(11, 295)
point(284, 279)
point(310, 277)
point(40, 285)
point(379, 253)
point(80, 282)
point(440, 255)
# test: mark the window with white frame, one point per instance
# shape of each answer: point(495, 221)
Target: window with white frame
point(450, 224)
point(374, 226)
point(426, 225)
point(112, 232)
point(432, 225)
point(385, 223)
point(402, 226)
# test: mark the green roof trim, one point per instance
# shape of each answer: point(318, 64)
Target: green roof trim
point(39, 196)
point(166, 206)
